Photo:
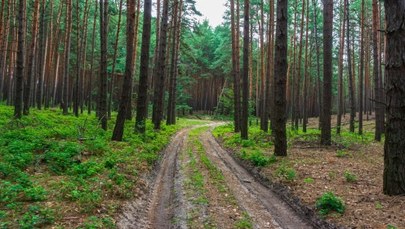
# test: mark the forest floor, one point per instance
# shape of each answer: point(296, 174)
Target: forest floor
point(351, 169)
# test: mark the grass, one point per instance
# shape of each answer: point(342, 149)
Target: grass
point(50, 162)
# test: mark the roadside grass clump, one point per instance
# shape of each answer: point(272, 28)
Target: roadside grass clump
point(36, 217)
point(257, 158)
point(309, 180)
point(342, 154)
point(329, 202)
point(94, 222)
point(245, 222)
point(350, 177)
point(286, 172)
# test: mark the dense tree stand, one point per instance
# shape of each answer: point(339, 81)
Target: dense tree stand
point(394, 151)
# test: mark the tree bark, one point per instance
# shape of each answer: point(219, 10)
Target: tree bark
point(245, 77)
point(102, 95)
point(327, 72)
point(394, 150)
point(340, 70)
point(129, 70)
point(378, 90)
point(158, 97)
point(280, 73)
point(18, 102)
point(235, 67)
point(65, 89)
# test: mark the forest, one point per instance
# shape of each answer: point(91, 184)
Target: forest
point(141, 114)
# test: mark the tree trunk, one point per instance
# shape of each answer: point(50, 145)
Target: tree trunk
point(30, 64)
point(378, 91)
point(361, 73)
point(18, 102)
point(280, 73)
point(245, 77)
point(129, 70)
point(340, 69)
point(306, 73)
point(158, 97)
point(235, 66)
point(142, 108)
point(350, 69)
point(65, 89)
point(111, 84)
point(394, 150)
point(327, 72)
point(102, 96)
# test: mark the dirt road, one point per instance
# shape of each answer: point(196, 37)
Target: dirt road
point(199, 185)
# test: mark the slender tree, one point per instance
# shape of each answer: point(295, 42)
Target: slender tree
point(280, 77)
point(394, 150)
point(142, 107)
point(327, 72)
point(378, 92)
point(245, 76)
point(30, 65)
point(18, 102)
point(65, 88)
point(129, 70)
point(158, 96)
point(235, 66)
point(340, 69)
point(350, 69)
point(102, 104)
point(361, 73)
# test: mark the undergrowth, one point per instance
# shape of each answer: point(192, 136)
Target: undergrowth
point(50, 162)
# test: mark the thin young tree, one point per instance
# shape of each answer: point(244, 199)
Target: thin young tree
point(102, 95)
point(327, 72)
point(142, 107)
point(378, 92)
point(245, 76)
point(361, 73)
point(65, 88)
point(235, 66)
point(18, 101)
point(394, 150)
point(129, 71)
point(280, 78)
point(340, 68)
point(350, 70)
point(158, 95)
point(30, 63)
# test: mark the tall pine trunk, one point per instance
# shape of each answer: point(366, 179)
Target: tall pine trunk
point(102, 95)
point(245, 76)
point(129, 70)
point(18, 102)
point(280, 74)
point(394, 150)
point(327, 72)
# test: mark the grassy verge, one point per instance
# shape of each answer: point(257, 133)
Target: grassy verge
point(63, 171)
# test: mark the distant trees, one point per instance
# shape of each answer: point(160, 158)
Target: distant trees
point(394, 151)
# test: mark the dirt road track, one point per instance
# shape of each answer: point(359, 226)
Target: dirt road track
point(163, 205)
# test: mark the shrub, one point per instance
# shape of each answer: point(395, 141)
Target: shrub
point(36, 193)
point(258, 158)
point(341, 154)
point(309, 180)
point(286, 172)
point(61, 158)
point(350, 177)
point(86, 169)
point(330, 202)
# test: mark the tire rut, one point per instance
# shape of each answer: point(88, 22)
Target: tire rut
point(263, 205)
point(157, 207)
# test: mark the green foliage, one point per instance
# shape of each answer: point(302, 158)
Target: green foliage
point(86, 169)
point(257, 158)
point(350, 177)
point(245, 222)
point(342, 153)
point(389, 226)
point(94, 222)
point(309, 180)
point(36, 193)
point(329, 202)
point(286, 172)
point(36, 217)
point(62, 156)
